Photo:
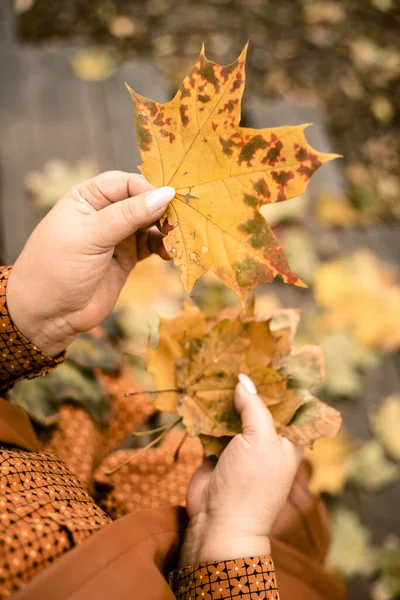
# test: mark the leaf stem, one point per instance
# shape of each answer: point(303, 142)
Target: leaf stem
point(149, 431)
point(140, 452)
point(176, 391)
point(176, 453)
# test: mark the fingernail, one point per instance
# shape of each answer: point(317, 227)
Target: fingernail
point(247, 384)
point(159, 198)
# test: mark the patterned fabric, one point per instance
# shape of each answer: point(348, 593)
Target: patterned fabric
point(45, 510)
point(243, 579)
point(150, 479)
point(19, 359)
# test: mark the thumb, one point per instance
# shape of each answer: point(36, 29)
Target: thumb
point(119, 220)
point(257, 421)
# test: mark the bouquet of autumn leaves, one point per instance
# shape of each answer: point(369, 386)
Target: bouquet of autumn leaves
point(223, 174)
point(197, 362)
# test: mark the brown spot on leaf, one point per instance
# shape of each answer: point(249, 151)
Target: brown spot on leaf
point(282, 177)
point(250, 271)
point(261, 235)
point(171, 138)
point(250, 200)
point(249, 149)
point(207, 72)
point(281, 195)
point(226, 71)
point(144, 136)
point(204, 98)
point(151, 106)
point(309, 171)
point(237, 83)
point(273, 154)
point(227, 146)
point(301, 153)
point(214, 126)
point(168, 121)
point(164, 132)
point(184, 117)
point(228, 106)
point(261, 188)
point(185, 92)
point(159, 121)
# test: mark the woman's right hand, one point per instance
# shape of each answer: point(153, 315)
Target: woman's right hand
point(233, 506)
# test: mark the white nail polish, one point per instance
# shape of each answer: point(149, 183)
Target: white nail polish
point(159, 198)
point(247, 384)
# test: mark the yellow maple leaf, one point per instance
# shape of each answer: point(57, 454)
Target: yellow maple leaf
point(200, 359)
point(329, 459)
point(385, 423)
point(359, 294)
point(222, 174)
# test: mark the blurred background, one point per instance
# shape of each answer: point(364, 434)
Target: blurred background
point(65, 115)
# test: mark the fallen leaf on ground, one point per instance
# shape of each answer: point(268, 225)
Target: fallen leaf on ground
point(212, 296)
point(41, 398)
point(369, 467)
point(301, 253)
point(201, 360)
point(122, 26)
point(329, 460)
point(55, 179)
point(359, 294)
point(93, 64)
point(385, 424)
point(152, 290)
point(222, 174)
point(388, 562)
point(90, 352)
point(382, 109)
point(345, 361)
point(350, 551)
point(338, 211)
point(324, 11)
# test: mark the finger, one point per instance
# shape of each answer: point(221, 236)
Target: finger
point(257, 422)
point(197, 486)
point(293, 452)
point(155, 244)
point(119, 220)
point(112, 186)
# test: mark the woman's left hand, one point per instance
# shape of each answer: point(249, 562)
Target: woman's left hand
point(233, 506)
point(73, 267)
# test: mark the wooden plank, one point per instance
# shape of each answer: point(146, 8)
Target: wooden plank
point(7, 25)
point(46, 113)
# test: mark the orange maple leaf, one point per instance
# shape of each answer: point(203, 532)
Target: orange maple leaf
point(222, 174)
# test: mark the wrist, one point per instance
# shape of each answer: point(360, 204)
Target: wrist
point(206, 541)
point(50, 336)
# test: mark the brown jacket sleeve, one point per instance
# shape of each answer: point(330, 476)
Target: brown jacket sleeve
point(19, 359)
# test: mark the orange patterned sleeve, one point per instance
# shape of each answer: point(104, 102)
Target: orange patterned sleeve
point(19, 359)
point(241, 579)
